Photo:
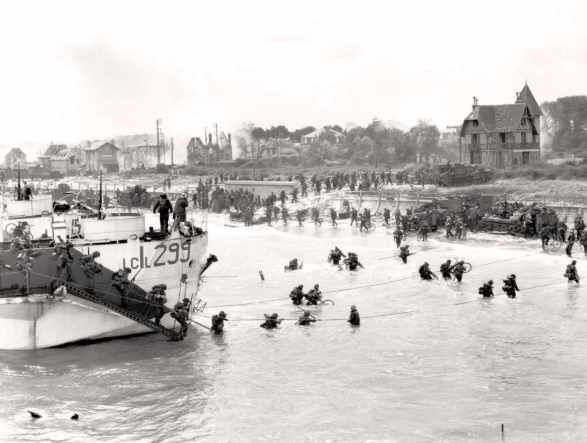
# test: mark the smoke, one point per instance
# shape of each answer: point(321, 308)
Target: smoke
point(242, 140)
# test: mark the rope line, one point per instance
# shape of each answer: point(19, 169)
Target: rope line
point(369, 285)
point(385, 314)
point(521, 290)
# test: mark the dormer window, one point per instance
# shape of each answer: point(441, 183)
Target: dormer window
point(524, 121)
point(475, 123)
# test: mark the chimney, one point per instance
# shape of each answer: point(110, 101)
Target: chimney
point(229, 140)
point(517, 96)
point(209, 139)
point(475, 103)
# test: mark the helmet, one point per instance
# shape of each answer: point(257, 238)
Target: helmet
point(490, 282)
point(274, 316)
point(353, 308)
point(307, 313)
point(316, 286)
point(222, 314)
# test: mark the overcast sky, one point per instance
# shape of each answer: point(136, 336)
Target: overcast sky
point(78, 70)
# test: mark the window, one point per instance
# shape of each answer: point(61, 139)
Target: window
point(525, 158)
point(502, 137)
point(523, 138)
point(475, 123)
point(523, 121)
point(474, 139)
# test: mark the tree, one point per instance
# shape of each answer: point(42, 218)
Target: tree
point(404, 151)
point(425, 138)
point(14, 157)
point(565, 120)
point(258, 133)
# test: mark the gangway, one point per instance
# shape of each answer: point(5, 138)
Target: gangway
point(172, 334)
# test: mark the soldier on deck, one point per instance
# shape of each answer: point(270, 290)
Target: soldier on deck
point(120, 281)
point(89, 264)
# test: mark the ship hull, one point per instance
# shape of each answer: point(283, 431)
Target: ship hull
point(41, 321)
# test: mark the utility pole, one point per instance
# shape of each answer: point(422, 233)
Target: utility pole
point(158, 143)
point(216, 132)
point(171, 151)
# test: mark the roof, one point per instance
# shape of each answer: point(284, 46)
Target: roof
point(526, 96)
point(497, 118)
point(135, 141)
point(54, 150)
point(318, 132)
point(97, 144)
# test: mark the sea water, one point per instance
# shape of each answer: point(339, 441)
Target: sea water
point(431, 361)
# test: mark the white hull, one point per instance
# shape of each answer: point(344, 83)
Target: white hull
point(36, 321)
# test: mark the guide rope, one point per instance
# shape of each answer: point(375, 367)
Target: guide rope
point(368, 285)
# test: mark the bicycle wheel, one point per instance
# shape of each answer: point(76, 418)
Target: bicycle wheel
point(468, 267)
point(555, 244)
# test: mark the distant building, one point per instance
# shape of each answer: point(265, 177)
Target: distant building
point(278, 148)
point(322, 134)
point(502, 135)
point(136, 151)
point(102, 156)
point(61, 158)
point(140, 151)
point(199, 152)
point(14, 158)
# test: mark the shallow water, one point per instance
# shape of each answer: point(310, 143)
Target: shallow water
point(451, 370)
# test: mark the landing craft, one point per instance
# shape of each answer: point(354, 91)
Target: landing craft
point(57, 273)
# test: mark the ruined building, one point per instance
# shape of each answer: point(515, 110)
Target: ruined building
point(502, 136)
point(199, 152)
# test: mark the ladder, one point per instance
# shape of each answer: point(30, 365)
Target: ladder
point(168, 332)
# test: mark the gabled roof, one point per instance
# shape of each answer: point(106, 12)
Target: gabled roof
point(56, 150)
point(97, 144)
point(135, 141)
point(497, 118)
point(526, 96)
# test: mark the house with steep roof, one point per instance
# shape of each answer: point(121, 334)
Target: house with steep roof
point(103, 156)
point(502, 135)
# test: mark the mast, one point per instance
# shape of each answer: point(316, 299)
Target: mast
point(158, 144)
point(18, 193)
point(100, 197)
point(171, 151)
